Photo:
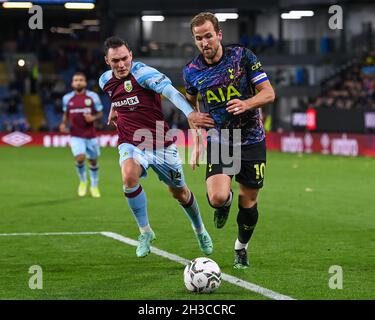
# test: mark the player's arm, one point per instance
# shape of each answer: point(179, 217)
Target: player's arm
point(112, 117)
point(198, 147)
point(93, 117)
point(196, 119)
point(192, 97)
point(89, 117)
point(64, 123)
point(104, 78)
point(151, 78)
point(193, 100)
point(265, 95)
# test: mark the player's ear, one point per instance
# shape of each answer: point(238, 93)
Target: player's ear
point(106, 60)
point(220, 35)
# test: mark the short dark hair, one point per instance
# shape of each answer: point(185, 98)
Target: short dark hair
point(113, 43)
point(201, 18)
point(79, 73)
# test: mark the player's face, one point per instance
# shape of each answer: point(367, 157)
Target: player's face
point(207, 40)
point(79, 83)
point(120, 61)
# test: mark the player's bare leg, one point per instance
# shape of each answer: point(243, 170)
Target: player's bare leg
point(131, 171)
point(190, 205)
point(246, 220)
point(94, 178)
point(81, 170)
point(220, 197)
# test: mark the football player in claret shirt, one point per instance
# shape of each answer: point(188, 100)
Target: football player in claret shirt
point(82, 108)
point(134, 89)
point(233, 87)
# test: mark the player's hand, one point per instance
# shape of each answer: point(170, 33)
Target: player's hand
point(112, 118)
point(200, 120)
point(197, 152)
point(89, 117)
point(62, 127)
point(237, 106)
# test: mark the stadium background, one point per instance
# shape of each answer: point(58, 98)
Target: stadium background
point(325, 86)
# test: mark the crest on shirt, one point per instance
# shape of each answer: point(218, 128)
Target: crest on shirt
point(128, 86)
point(87, 102)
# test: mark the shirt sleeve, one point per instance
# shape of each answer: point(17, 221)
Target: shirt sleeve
point(149, 77)
point(97, 102)
point(104, 78)
point(190, 89)
point(255, 69)
point(177, 99)
point(65, 100)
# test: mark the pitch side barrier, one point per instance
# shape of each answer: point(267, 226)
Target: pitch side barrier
point(342, 144)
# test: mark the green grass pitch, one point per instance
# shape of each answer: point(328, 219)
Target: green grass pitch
point(315, 212)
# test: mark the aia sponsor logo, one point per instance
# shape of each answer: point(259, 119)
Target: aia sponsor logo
point(16, 139)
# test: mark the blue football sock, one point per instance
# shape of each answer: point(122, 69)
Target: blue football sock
point(81, 170)
point(138, 204)
point(94, 175)
point(192, 211)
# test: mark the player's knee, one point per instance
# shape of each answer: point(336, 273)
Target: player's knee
point(247, 201)
point(180, 194)
point(130, 181)
point(217, 199)
point(80, 159)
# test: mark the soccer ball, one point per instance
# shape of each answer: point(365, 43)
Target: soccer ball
point(202, 275)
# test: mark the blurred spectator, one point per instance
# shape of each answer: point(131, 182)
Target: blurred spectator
point(256, 43)
point(325, 45)
point(245, 40)
point(353, 87)
point(270, 42)
point(59, 89)
point(61, 60)
point(14, 119)
point(301, 76)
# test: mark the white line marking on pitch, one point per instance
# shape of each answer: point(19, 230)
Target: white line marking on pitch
point(47, 234)
point(226, 277)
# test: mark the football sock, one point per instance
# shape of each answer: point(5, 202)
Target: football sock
point(246, 220)
point(191, 209)
point(238, 245)
point(138, 204)
point(94, 175)
point(229, 200)
point(81, 170)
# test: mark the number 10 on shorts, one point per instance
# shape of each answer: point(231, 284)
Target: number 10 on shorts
point(259, 170)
